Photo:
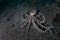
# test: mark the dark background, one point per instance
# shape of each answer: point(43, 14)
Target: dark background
point(11, 12)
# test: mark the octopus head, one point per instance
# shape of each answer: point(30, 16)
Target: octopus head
point(33, 12)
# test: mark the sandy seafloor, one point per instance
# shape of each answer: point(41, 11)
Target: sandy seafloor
point(11, 14)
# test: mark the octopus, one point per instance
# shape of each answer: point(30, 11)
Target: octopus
point(37, 19)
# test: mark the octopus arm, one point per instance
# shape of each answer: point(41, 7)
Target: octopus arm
point(29, 26)
point(46, 27)
point(38, 20)
point(24, 24)
point(40, 23)
point(50, 32)
point(37, 27)
point(41, 16)
point(49, 25)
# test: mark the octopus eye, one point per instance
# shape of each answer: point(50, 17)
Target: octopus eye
point(28, 13)
point(37, 12)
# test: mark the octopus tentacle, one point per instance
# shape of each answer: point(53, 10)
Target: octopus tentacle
point(38, 20)
point(49, 25)
point(48, 29)
point(29, 25)
point(24, 24)
point(41, 15)
point(40, 23)
point(36, 27)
